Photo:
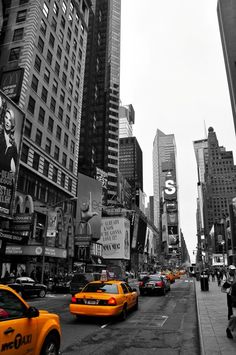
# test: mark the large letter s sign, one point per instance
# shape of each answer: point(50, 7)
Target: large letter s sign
point(170, 189)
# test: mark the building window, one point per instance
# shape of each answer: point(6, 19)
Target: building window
point(64, 159)
point(45, 10)
point(21, 16)
point(72, 147)
point(54, 174)
point(59, 52)
point(43, 27)
point(76, 30)
point(18, 34)
point(68, 48)
point(27, 128)
point(57, 68)
point(63, 22)
point(55, 9)
point(53, 104)
point(75, 113)
point(48, 146)
point(38, 137)
point(24, 153)
point(71, 165)
point(44, 94)
point(46, 75)
point(69, 104)
point(49, 57)
point(74, 129)
point(76, 96)
point(69, 34)
point(51, 40)
point(66, 63)
point(34, 83)
point(64, 79)
point(70, 88)
point(69, 184)
point(31, 105)
point(67, 122)
point(77, 83)
point(58, 133)
point(60, 113)
point(55, 86)
point(63, 179)
point(50, 124)
point(46, 168)
point(66, 140)
point(54, 24)
point(41, 116)
point(80, 54)
point(56, 153)
point(72, 73)
point(14, 54)
point(36, 161)
point(64, 7)
point(37, 63)
point(74, 44)
point(61, 36)
point(62, 96)
point(73, 58)
point(40, 45)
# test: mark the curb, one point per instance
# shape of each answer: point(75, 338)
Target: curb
point(202, 350)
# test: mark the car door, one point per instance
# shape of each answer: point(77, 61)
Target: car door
point(17, 333)
point(128, 295)
point(133, 295)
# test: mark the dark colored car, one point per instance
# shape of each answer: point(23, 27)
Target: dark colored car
point(154, 284)
point(26, 286)
point(79, 280)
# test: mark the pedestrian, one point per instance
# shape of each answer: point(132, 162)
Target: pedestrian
point(219, 277)
point(228, 280)
point(228, 287)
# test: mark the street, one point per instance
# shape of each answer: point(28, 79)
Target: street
point(164, 323)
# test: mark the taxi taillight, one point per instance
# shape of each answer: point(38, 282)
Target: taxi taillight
point(160, 283)
point(112, 301)
point(73, 299)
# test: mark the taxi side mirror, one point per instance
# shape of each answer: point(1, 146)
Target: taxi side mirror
point(32, 312)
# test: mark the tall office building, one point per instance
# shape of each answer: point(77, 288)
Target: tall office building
point(99, 135)
point(226, 11)
point(42, 57)
point(131, 163)
point(126, 121)
point(164, 160)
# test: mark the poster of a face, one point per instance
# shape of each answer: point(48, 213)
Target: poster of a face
point(11, 125)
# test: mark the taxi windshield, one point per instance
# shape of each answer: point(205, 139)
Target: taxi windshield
point(101, 287)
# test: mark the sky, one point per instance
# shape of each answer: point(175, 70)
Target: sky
point(173, 73)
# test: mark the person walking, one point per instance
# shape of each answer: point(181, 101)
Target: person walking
point(229, 281)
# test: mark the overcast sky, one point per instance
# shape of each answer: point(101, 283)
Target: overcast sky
point(173, 73)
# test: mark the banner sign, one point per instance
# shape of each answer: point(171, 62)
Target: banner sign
point(34, 250)
point(11, 125)
point(12, 237)
point(11, 82)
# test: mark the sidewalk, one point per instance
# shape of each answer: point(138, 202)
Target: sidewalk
point(212, 319)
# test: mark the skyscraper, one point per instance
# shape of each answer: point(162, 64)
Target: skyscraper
point(126, 121)
point(99, 135)
point(227, 23)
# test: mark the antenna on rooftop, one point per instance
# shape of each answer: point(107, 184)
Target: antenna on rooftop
point(205, 130)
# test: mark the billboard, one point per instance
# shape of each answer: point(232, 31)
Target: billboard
point(10, 83)
point(89, 208)
point(11, 126)
point(170, 189)
point(115, 238)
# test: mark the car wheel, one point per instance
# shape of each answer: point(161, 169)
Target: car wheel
point(42, 293)
point(123, 314)
point(51, 345)
point(136, 305)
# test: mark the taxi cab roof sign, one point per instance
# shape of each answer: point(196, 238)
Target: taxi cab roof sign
point(103, 275)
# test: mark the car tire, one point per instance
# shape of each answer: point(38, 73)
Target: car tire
point(123, 314)
point(51, 345)
point(136, 305)
point(42, 293)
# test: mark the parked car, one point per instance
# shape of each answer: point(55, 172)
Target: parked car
point(79, 280)
point(154, 284)
point(26, 286)
point(104, 299)
point(25, 329)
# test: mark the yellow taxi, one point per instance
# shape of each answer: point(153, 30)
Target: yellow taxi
point(24, 329)
point(105, 298)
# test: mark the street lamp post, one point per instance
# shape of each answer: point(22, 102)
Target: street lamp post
point(45, 231)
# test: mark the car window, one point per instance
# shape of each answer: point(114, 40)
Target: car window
point(10, 306)
point(124, 288)
point(128, 287)
point(101, 287)
point(155, 278)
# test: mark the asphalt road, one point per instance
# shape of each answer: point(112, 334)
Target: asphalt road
point(163, 324)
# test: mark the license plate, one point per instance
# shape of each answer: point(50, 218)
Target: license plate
point(91, 302)
point(149, 285)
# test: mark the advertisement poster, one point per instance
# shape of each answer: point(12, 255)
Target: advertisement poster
point(11, 125)
point(115, 238)
point(89, 208)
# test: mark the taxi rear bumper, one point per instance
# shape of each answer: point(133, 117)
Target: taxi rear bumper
point(95, 310)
